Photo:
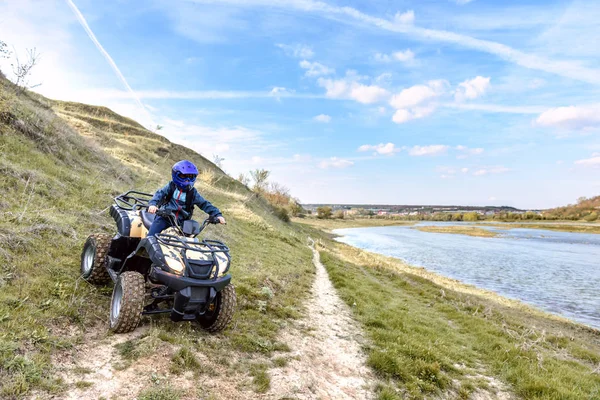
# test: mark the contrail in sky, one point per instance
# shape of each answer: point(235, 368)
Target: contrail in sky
point(107, 56)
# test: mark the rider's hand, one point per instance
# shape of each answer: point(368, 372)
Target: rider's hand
point(221, 220)
point(152, 209)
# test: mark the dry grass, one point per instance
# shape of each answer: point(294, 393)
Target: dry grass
point(459, 230)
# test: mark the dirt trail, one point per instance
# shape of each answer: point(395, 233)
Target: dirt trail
point(327, 361)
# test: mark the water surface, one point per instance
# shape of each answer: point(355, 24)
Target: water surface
point(558, 272)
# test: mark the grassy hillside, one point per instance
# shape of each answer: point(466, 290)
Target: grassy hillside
point(60, 166)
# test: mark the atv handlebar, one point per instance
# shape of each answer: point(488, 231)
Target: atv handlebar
point(168, 214)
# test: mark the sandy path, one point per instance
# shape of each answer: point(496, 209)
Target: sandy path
point(327, 361)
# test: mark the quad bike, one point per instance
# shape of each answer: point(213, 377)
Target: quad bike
point(173, 272)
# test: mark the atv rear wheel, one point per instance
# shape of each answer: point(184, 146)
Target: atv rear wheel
point(127, 302)
point(220, 312)
point(93, 258)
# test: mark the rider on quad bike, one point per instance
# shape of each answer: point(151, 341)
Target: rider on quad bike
point(180, 196)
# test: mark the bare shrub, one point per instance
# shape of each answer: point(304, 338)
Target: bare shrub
point(22, 70)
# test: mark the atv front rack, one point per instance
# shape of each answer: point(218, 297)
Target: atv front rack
point(133, 200)
point(205, 246)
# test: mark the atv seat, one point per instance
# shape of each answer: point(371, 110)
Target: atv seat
point(147, 218)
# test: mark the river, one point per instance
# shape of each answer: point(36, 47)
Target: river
point(558, 272)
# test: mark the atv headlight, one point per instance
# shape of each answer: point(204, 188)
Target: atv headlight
point(175, 265)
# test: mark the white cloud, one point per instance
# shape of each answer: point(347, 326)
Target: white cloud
point(464, 170)
point(432, 150)
point(297, 50)
point(589, 162)
point(417, 101)
point(349, 88)
point(381, 148)
point(472, 88)
point(412, 96)
point(382, 57)
point(367, 94)
point(405, 56)
point(315, 68)
point(578, 118)
point(402, 116)
point(461, 3)
point(466, 151)
point(323, 118)
point(491, 198)
point(335, 162)
point(256, 160)
point(491, 170)
point(384, 78)
point(278, 92)
point(405, 18)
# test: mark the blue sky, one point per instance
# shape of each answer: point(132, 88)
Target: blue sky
point(405, 102)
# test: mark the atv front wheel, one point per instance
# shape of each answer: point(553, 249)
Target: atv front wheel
point(93, 258)
point(220, 312)
point(127, 302)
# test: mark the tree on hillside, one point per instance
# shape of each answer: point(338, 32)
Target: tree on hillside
point(22, 70)
point(323, 212)
point(295, 207)
point(218, 160)
point(260, 177)
point(243, 178)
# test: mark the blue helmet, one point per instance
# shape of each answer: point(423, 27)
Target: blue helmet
point(184, 174)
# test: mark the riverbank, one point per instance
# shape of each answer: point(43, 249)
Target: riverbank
point(431, 336)
point(330, 224)
point(458, 230)
point(563, 226)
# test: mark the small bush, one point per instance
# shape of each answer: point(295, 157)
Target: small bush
point(282, 214)
point(591, 217)
point(323, 212)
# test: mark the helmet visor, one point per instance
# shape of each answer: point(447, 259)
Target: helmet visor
point(186, 176)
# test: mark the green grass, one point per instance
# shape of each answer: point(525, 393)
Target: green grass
point(261, 380)
point(185, 360)
point(160, 393)
point(61, 165)
point(428, 340)
point(83, 384)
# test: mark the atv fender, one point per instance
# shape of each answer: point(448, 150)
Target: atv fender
point(148, 252)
